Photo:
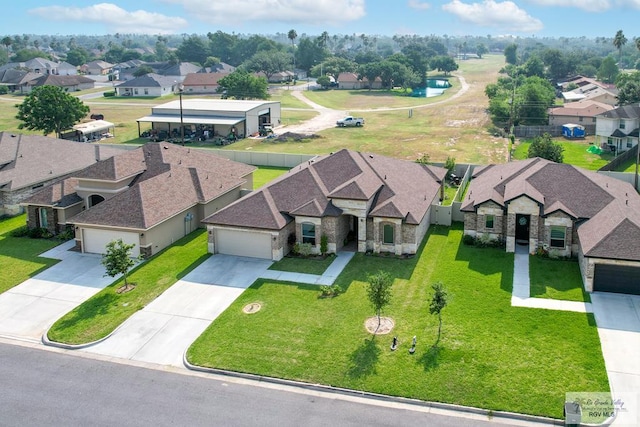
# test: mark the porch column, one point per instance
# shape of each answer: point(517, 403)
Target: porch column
point(362, 234)
point(511, 233)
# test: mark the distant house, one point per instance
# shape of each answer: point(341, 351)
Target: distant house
point(202, 83)
point(16, 80)
point(592, 92)
point(581, 112)
point(30, 162)
point(42, 66)
point(279, 77)
point(66, 82)
point(618, 129)
point(220, 67)
point(349, 81)
point(148, 85)
point(562, 209)
point(149, 197)
point(98, 68)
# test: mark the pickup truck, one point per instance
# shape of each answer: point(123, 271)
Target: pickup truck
point(350, 121)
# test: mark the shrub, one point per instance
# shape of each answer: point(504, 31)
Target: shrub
point(330, 291)
point(324, 244)
point(302, 249)
point(67, 234)
point(109, 93)
point(4, 90)
point(21, 232)
point(468, 240)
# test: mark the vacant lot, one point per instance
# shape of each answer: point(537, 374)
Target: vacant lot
point(491, 355)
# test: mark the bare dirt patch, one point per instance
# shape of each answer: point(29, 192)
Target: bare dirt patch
point(252, 308)
point(386, 325)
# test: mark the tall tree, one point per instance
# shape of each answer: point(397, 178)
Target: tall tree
point(50, 109)
point(619, 41)
point(242, 85)
point(193, 49)
point(608, 71)
point(481, 49)
point(7, 42)
point(511, 54)
point(292, 36)
point(628, 85)
point(379, 291)
point(117, 260)
point(268, 62)
point(438, 303)
point(444, 63)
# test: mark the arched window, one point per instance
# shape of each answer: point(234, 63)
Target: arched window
point(388, 234)
point(94, 199)
point(308, 233)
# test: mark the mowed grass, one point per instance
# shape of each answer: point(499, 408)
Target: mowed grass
point(556, 279)
point(491, 355)
point(266, 174)
point(102, 313)
point(303, 265)
point(575, 153)
point(19, 256)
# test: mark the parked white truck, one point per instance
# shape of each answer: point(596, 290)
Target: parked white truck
point(350, 121)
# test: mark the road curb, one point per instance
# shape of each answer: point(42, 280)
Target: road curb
point(375, 396)
point(46, 341)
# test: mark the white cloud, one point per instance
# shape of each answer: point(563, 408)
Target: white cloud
point(114, 18)
point(506, 15)
point(316, 12)
point(587, 5)
point(418, 5)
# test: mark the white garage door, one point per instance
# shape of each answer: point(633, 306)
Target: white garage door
point(95, 241)
point(243, 243)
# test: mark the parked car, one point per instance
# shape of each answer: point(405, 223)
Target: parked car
point(350, 121)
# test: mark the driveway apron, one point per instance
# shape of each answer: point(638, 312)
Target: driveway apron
point(162, 331)
point(30, 308)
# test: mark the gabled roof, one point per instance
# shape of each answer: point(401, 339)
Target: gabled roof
point(392, 187)
point(631, 111)
point(608, 209)
point(99, 64)
point(168, 179)
point(149, 80)
point(60, 81)
point(202, 79)
point(584, 108)
point(26, 160)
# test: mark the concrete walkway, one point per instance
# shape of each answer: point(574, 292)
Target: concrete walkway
point(30, 308)
point(520, 296)
point(327, 278)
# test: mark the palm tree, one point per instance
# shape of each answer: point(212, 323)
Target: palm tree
point(7, 41)
point(618, 41)
point(292, 35)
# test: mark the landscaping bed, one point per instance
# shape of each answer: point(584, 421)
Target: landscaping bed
point(491, 355)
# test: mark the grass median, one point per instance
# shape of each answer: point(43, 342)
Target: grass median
point(101, 314)
point(19, 256)
point(491, 355)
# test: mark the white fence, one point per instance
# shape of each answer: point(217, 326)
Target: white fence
point(265, 159)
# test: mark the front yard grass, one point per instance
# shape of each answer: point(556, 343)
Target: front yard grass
point(556, 279)
point(491, 355)
point(19, 256)
point(101, 314)
point(303, 265)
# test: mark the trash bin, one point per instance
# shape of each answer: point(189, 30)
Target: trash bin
point(572, 413)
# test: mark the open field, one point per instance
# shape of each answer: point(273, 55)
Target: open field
point(491, 355)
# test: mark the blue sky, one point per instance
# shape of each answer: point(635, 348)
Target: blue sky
point(540, 18)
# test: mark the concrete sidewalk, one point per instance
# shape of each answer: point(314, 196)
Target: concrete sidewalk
point(520, 296)
point(30, 308)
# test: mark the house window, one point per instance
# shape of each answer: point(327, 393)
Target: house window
point(558, 235)
point(580, 118)
point(622, 124)
point(135, 91)
point(42, 217)
point(309, 233)
point(629, 142)
point(146, 91)
point(388, 234)
point(489, 220)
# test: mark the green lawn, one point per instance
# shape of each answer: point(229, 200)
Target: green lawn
point(101, 314)
point(575, 153)
point(556, 279)
point(302, 265)
point(491, 355)
point(266, 174)
point(19, 258)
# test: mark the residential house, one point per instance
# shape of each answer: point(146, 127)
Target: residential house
point(98, 68)
point(149, 197)
point(16, 80)
point(43, 66)
point(148, 85)
point(617, 129)
point(582, 112)
point(69, 83)
point(349, 81)
point(202, 83)
point(564, 210)
point(371, 202)
point(593, 92)
point(30, 162)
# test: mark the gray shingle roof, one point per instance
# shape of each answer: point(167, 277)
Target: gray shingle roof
point(149, 80)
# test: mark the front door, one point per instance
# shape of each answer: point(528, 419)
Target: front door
point(522, 227)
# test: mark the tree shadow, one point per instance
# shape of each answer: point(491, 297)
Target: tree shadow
point(364, 359)
point(429, 359)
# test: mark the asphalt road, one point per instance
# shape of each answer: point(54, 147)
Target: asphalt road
point(46, 388)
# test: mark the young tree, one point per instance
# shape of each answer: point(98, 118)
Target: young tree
point(50, 109)
point(544, 147)
point(437, 304)
point(379, 291)
point(324, 81)
point(117, 259)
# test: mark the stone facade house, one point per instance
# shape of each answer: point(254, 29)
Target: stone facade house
point(562, 209)
point(371, 202)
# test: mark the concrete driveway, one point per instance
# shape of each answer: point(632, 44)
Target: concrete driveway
point(29, 309)
point(162, 331)
point(618, 320)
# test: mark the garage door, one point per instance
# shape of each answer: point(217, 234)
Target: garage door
point(95, 241)
point(243, 243)
point(616, 278)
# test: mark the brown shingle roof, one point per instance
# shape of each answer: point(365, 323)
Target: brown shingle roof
point(396, 188)
point(203, 79)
